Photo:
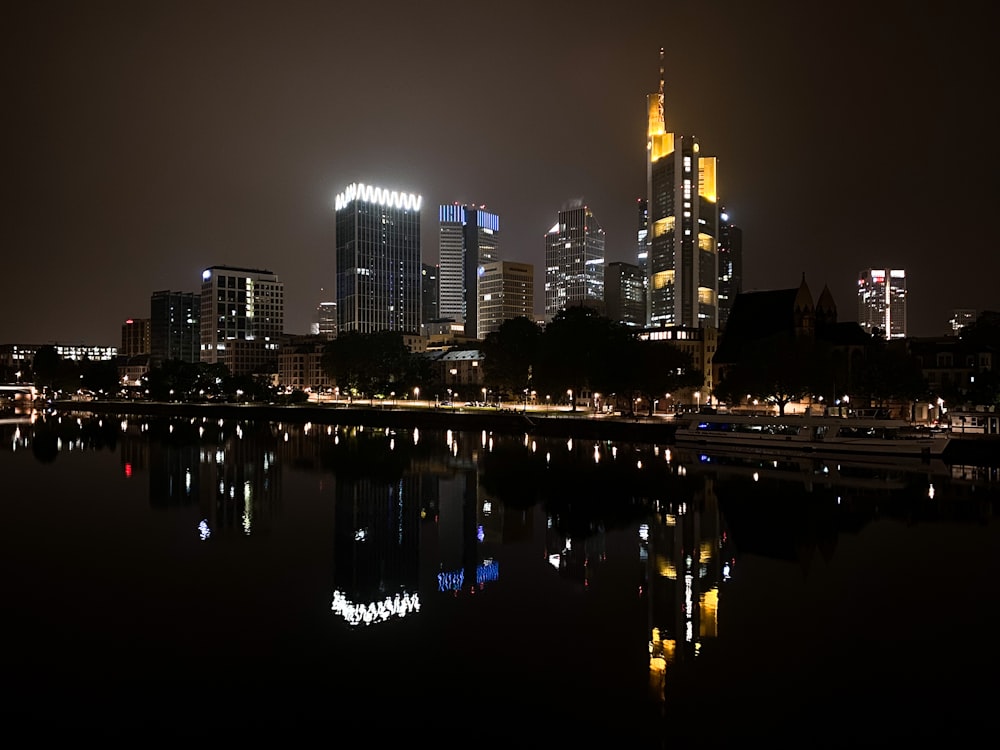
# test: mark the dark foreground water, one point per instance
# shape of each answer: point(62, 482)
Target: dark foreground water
point(376, 587)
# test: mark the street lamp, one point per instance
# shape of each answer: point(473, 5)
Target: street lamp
point(697, 395)
point(416, 393)
point(484, 397)
point(572, 403)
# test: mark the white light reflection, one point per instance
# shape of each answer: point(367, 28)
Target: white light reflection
point(203, 531)
point(930, 491)
point(416, 436)
point(375, 612)
point(756, 476)
point(597, 454)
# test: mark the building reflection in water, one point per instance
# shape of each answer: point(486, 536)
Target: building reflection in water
point(421, 517)
point(686, 557)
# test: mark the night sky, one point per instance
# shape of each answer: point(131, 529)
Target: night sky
point(145, 141)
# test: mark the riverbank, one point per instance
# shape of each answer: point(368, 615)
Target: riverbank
point(977, 450)
point(582, 425)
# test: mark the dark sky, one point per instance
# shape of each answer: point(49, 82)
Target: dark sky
point(145, 141)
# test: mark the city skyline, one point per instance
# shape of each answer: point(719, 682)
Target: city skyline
point(147, 144)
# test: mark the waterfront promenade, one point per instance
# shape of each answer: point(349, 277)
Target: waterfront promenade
point(511, 419)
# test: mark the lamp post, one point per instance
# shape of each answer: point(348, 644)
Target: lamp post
point(416, 393)
point(697, 395)
point(572, 403)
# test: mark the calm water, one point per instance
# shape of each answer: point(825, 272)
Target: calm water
point(332, 582)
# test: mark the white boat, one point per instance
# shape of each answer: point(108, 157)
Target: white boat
point(811, 434)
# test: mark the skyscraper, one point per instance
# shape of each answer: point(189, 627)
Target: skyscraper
point(174, 327)
point(378, 260)
point(625, 293)
point(326, 320)
point(574, 260)
point(730, 265)
point(429, 293)
point(242, 317)
point(506, 291)
point(135, 337)
point(882, 301)
point(642, 240)
point(682, 225)
point(468, 237)
point(959, 319)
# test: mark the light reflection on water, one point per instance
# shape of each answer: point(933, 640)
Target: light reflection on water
point(581, 578)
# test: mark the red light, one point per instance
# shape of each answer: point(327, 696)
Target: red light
point(128, 470)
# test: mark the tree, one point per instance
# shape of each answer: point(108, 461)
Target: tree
point(46, 366)
point(368, 364)
point(657, 368)
point(778, 368)
point(576, 351)
point(510, 353)
point(890, 373)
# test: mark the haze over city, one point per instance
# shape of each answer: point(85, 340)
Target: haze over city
point(146, 142)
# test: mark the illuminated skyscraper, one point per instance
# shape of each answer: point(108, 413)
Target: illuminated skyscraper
point(506, 291)
point(378, 260)
point(174, 327)
point(429, 293)
point(682, 225)
point(730, 265)
point(326, 320)
point(242, 317)
point(135, 337)
point(469, 236)
point(959, 319)
point(882, 301)
point(574, 261)
point(642, 245)
point(625, 294)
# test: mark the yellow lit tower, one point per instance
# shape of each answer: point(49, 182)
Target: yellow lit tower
point(683, 220)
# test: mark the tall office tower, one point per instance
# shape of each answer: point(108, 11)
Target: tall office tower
point(574, 260)
point(174, 327)
point(730, 265)
point(882, 301)
point(625, 293)
point(468, 237)
point(135, 337)
point(506, 291)
point(642, 244)
point(959, 319)
point(242, 317)
point(326, 320)
point(683, 225)
point(378, 260)
point(429, 293)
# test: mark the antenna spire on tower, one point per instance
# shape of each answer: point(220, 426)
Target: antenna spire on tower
point(661, 71)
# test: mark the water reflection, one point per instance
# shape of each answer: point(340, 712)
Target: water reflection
point(426, 521)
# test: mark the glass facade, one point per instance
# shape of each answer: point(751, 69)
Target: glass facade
point(378, 261)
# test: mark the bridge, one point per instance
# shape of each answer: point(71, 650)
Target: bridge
point(18, 391)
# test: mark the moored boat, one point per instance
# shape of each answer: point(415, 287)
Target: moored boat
point(810, 433)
